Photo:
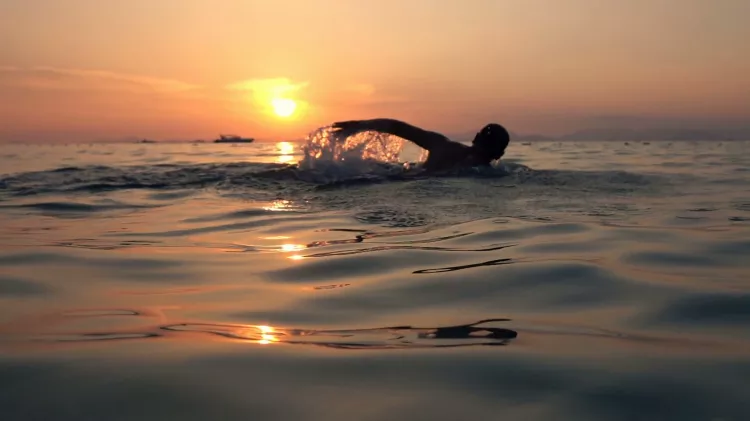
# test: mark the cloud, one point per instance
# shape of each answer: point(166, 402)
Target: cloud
point(268, 88)
point(366, 95)
point(156, 84)
point(364, 89)
point(55, 78)
point(263, 93)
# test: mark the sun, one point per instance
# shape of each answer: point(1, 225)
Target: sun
point(283, 107)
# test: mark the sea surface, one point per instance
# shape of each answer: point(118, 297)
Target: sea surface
point(179, 281)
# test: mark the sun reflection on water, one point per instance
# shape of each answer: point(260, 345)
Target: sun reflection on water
point(483, 332)
point(267, 335)
point(286, 152)
point(279, 206)
point(285, 248)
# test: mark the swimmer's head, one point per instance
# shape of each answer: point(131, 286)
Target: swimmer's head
point(491, 141)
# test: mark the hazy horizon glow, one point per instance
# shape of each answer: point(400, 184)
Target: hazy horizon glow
point(187, 69)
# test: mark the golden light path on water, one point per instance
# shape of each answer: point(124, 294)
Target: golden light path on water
point(286, 152)
point(293, 247)
point(279, 206)
point(282, 206)
point(267, 335)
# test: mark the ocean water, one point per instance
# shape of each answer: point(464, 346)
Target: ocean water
point(579, 281)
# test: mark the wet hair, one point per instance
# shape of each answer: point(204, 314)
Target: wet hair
point(492, 141)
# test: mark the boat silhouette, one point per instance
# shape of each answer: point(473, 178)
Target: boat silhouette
point(230, 138)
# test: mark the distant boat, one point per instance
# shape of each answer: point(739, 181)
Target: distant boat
point(230, 138)
point(146, 141)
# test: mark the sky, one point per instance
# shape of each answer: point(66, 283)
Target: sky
point(84, 70)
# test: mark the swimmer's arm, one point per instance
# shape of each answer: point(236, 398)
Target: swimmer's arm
point(422, 138)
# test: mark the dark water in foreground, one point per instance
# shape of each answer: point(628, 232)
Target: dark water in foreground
point(191, 282)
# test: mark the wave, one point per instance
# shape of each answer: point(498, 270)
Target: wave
point(361, 173)
point(74, 207)
point(480, 333)
point(94, 179)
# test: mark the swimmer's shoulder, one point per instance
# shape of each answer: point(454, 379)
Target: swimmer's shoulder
point(450, 155)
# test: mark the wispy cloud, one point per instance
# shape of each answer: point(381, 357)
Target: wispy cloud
point(55, 78)
point(157, 84)
point(270, 87)
point(366, 94)
point(263, 93)
point(364, 89)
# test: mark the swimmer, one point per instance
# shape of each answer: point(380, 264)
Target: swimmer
point(444, 154)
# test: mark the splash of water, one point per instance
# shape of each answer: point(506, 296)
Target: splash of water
point(324, 148)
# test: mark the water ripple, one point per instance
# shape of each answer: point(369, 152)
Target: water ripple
point(483, 332)
point(618, 274)
point(478, 333)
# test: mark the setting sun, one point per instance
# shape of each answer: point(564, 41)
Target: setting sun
point(283, 107)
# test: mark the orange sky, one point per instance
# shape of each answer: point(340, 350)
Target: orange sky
point(186, 69)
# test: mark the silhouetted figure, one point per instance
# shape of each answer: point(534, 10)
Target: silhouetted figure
point(488, 145)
